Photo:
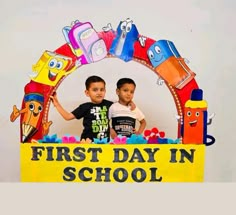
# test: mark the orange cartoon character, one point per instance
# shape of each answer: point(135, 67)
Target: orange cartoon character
point(31, 112)
point(195, 120)
point(51, 67)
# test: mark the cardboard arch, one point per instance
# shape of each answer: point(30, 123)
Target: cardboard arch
point(39, 91)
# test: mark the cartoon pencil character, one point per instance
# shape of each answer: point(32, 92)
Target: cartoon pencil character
point(51, 67)
point(195, 120)
point(31, 112)
point(168, 63)
point(123, 44)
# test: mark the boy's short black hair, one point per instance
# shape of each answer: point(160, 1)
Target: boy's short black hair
point(93, 79)
point(123, 81)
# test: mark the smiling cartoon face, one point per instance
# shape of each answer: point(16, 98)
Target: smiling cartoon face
point(161, 51)
point(32, 114)
point(193, 117)
point(50, 68)
point(194, 121)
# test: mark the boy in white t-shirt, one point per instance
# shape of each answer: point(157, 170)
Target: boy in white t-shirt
point(122, 117)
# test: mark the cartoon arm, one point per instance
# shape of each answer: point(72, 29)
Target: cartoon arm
point(160, 81)
point(180, 121)
point(76, 66)
point(65, 32)
point(178, 117)
point(16, 113)
point(209, 120)
point(107, 28)
point(142, 41)
point(46, 126)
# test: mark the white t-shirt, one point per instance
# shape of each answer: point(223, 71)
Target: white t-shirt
point(123, 119)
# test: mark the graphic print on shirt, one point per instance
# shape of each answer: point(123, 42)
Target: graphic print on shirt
point(100, 124)
point(123, 125)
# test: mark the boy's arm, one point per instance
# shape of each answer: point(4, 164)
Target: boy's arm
point(142, 126)
point(65, 114)
point(113, 133)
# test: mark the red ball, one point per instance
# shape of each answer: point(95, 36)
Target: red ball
point(162, 134)
point(155, 130)
point(147, 133)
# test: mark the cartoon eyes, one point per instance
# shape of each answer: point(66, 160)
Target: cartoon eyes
point(150, 54)
point(32, 107)
point(59, 65)
point(157, 49)
point(55, 64)
point(52, 63)
point(123, 26)
point(126, 26)
point(196, 114)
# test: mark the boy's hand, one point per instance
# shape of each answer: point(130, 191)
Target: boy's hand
point(132, 105)
point(136, 132)
point(113, 134)
point(54, 99)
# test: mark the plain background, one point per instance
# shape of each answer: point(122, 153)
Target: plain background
point(202, 31)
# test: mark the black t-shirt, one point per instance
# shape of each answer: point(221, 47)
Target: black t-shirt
point(95, 119)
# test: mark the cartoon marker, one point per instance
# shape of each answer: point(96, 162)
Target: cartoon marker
point(51, 67)
point(195, 120)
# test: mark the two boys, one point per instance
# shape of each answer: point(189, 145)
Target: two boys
point(96, 114)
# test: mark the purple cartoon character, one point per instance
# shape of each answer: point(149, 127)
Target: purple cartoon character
point(84, 42)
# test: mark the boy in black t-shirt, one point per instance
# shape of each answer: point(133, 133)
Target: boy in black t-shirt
point(94, 113)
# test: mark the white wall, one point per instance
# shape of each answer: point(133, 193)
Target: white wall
point(203, 32)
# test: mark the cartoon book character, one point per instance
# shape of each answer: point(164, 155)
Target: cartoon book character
point(51, 67)
point(195, 120)
point(123, 44)
point(169, 64)
point(85, 42)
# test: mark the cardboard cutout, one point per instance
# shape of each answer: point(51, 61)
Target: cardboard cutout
point(84, 42)
point(123, 44)
point(169, 64)
point(51, 67)
point(196, 120)
point(114, 161)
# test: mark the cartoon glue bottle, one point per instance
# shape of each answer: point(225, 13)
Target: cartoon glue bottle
point(195, 120)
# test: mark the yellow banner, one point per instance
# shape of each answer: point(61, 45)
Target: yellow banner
point(112, 163)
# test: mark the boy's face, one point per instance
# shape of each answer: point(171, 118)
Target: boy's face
point(96, 92)
point(126, 93)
